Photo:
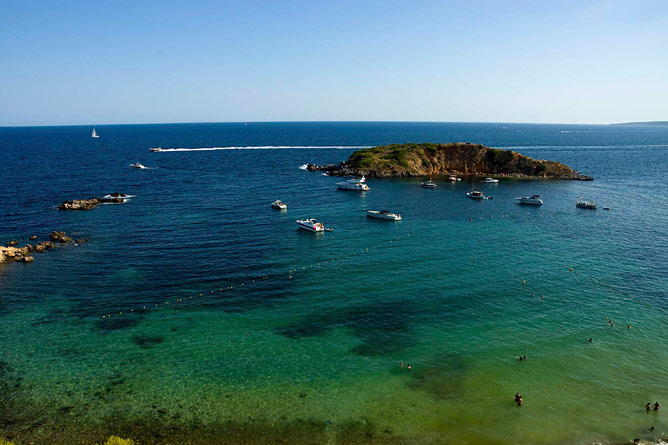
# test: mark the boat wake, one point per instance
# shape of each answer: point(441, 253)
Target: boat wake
point(303, 167)
point(269, 147)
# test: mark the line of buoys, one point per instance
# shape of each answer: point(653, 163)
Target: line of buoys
point(291, 272)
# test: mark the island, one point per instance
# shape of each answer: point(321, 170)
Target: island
point(461, 158)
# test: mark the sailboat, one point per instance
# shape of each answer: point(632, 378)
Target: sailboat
point(94, 134)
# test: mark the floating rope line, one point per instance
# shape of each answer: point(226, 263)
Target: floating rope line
point(291, 272)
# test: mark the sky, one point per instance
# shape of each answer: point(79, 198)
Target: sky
point(82, 62)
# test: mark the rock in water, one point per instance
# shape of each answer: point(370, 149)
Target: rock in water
point(445, 159)
point(80, 204)
point(27, 259)
point(60, 236)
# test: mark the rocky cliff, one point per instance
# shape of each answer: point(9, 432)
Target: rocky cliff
point(442, 159)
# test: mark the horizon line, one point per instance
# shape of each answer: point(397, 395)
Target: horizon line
point(324, 121)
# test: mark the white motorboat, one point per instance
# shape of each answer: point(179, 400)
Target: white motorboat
point(155, 149)
point(94, 134)
point(491, 180)
point(383, 214)
point(475, 194)
point(429, 184)
point(354, 184)
point(279, 205)
point(454, 178)
point(311, 224)
point(138, 165)
point(585, 204)
point(530, 200)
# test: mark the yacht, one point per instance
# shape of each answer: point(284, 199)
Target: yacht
point(454, 178)
point(491, 180)
point(383, 214)
point(155, 149)
point(474, 194)
point(354, 184)
point(94, 134)
point(138, 165)
point(311, 224)
point(279, 205)
point(585, 204)
point(531, 200)
point(429, 184)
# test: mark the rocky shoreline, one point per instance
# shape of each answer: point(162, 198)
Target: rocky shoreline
point(466, 159)
point(11, 252)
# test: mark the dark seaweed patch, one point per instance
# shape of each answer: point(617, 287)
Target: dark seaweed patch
point(120, 322)
point(441, 378)
point(382, 328)
point(303, 329)
point(147, 341)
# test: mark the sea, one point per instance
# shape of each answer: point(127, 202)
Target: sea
point(197, 314)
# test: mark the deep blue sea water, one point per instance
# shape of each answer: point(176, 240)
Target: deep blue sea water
point(224, 323)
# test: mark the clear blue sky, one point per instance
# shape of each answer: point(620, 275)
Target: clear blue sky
point(84, 62)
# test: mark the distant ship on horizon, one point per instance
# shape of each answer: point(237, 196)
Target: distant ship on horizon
point(94, 134)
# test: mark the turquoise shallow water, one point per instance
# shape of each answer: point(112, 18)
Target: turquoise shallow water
point(308, 348)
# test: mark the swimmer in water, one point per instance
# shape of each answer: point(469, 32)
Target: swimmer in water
point(519, 401)
point(517, 397)
point(401, 365)
point(657, 406)
point(590, 339)
point(648, 406)
point(408, 367)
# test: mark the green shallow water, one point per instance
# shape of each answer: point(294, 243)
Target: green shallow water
point(104, 338)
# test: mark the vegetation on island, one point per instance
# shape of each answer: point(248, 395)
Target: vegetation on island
point(454, 158)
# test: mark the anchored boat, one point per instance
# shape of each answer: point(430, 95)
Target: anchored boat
point(383, 214)
point(311, 224)
point(429, 184)
point(279, 205)
point(491, 180)
point(530, 200)
point(475, 194)
point(354, 184)
point(138, 165)
point(585, 204)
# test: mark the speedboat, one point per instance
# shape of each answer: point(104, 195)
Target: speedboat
point(279, 205)
point(429, 184)
point(354, 184)
point(138, 165)
point(491, 180)
point(531, 200)
point(475, 194)
point(585, 204)
point(311, 224)
point(155, 149)
point(383, 214)
point(454, 178)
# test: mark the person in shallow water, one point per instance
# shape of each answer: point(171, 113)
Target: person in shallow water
point(519, 401)
point(648, 406)
point(657, 406)
point(517, 397)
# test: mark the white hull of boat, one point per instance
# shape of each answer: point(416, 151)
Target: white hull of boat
point(348, 186)
point(310, 225)
point(530, 201)
point(383, 215)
